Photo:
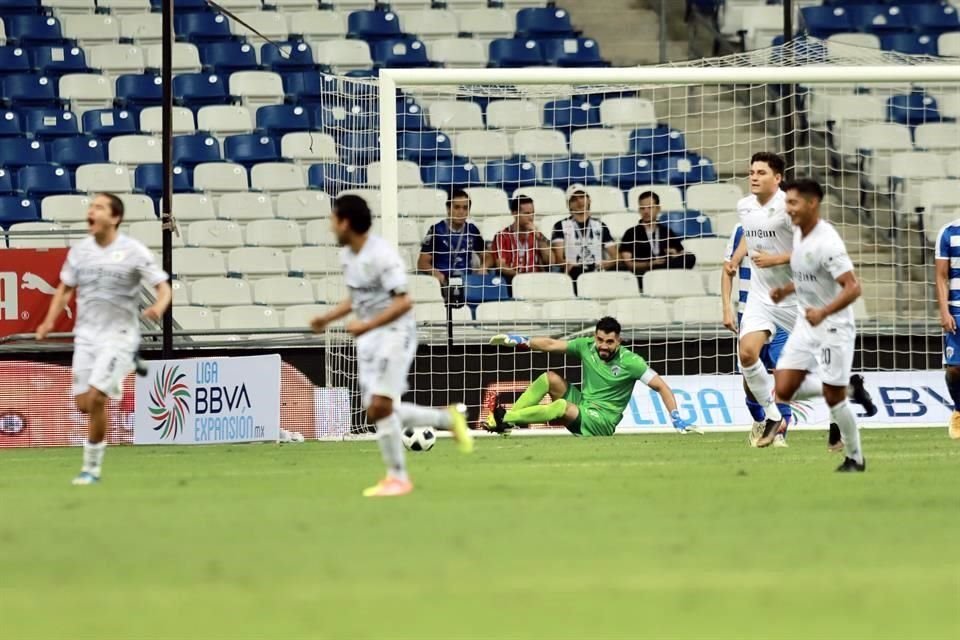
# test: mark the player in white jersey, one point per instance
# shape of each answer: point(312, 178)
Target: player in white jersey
point(106, 270)
point(386, 333)
point(824, 335)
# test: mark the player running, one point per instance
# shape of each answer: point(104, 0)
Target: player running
point(386, 334)
point(106, 270)
point(824, 336)
point(609, 374)
point(948, 299)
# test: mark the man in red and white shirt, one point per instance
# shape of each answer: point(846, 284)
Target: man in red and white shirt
point(519, 248)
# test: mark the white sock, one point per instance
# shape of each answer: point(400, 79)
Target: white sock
point(843, 416)
point(811, 387)
point(391, 446)
point(413, 415)
point(760, 383)
point(93, 457)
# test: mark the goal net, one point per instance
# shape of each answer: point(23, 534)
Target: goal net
point(875, 128)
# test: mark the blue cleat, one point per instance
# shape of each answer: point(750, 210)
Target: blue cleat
point(85, 478)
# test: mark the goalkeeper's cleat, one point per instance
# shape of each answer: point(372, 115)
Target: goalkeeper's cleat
point(780, 441)
point(955, 425)
point(459, 428)
point(85, 478)
point(770, 430)
point(389, 487)
point(849, 465)
point(834, 439)
point(858, 393)
point(755, 432)
point(495, 421)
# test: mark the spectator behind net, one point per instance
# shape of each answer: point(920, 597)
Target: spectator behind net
point(453, 247)
point(582, 243)
point(651, 244)
point(520, 247)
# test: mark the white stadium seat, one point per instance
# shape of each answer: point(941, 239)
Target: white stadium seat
point(424, 288)
point(628, 113)
point(917, 164)
point(105, 176)
point(935, 196)
point(709, 251)
point(507, 312)
point(220, 177)
point(194, 318)
point(224, 120)
point(137, 207)
point(317, 25)
point(190, 207)
point(143, 29)
point(948, 44)
point(459, 53)
point(370, 196)
point(846, 108)
point(63, 8)
point(698, 310)
point(422, 202)
point(540, 143)
point(257, 88)
point(639, 311)
point(276, 177)
point(714, 197)
point(133, 150)
point(672, 283)
point(409, 232)
point(513, 114)
point(283, 291)
point(408, 174)
point(309, 147)
point(150, 233)
point(249, 317)
point(198, 262)
point(65, 208)
point(181, 293)
point(221, 292)
point(429, 23)
point(450, 115)
point(235, 6)
point(487, 23)
point(482, 145)
point(711, 280)
point(86, 91)
point(244, 206)
point(271, 24)
point(881, 139)
point(491, 225)
point(331, 290)
point(91, 30)
point(151, 120)
point(303, 205)
point(543, 286)
point(546, 200)
point(273, 233)
point(619, 223)
point(318, 233)
point(607, 285)
point(488, 201)
point(599, 142)
point(299, 316)
point(934, 136)
point(605, 199)
point(342, 55)
point(186, 57)
point(257, 262)
point(216, 234)
point(866, 40)
point(315, 260)
point(48, 235)
point(671, 198)
point(581, 311)
point(124, 7)
point(117, 59)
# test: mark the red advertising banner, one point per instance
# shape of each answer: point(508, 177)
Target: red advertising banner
point(28, 280)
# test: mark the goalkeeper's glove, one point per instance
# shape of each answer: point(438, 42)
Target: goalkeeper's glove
point(681, 425)
point(511, 340)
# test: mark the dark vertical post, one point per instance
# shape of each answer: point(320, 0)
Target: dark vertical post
point(166, 77)
point(787, 101)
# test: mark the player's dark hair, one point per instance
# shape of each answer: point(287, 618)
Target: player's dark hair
point(355, 210)
point(608, 324)
point(116, 206)
point(457, 193)
point(518, 201)
point(649, 194)
point(806, 187)
point(774, 161)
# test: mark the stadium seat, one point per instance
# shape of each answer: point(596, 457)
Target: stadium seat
point(721, 197)
point(546, 200)
point(543, 23)
point(85, 91)
point(257, 88)
point(572, 52)
point(629, 113)
point(7, 185)
point(214, 234)
point(299, 316)
point(248, 149)
point(135, 150)
point(837, 43)
point(69, 7)
point(400, 54)
point(431, 24)
point(542, 286)
point(14, 59)
point(597, 143)
point(191, 319)
point(628, 171)
point(639, 311)
point(424, 288)
point(94, 178)
point(221, 292)
point(605, 199)
point(148, 178)
point(309, 147)
point(342, 55)
point(569, 115)
point(426, 202)
point(508, 312)
point(65, 209)
point(151, 121)
point(948, 44)
point(825, 21)
point(877, 18)
point(912, 109)
point(137, 207)
point(30, 31)
point(287, 56)
point(143, 29)
point(334, 177)
point(47, 124)
point(183, 6)
point(482, 145)
point(317, 25)
point(118, 59)
point(372, 198)
point(706, 310)
point(933, 17)
point(688, 224)
point(27, 90)
point(618, 223)
point(75, 151)
point(56, 61)
point(566, 171)
point(709, 251)
point(249, 318)
point(303, 205)
point(283, 291)
point(91, 30)
point(585, 311)
point(659, 140)
point(270, 24)
point(373, 25)
point(276, 177)
point(673, 283)
point(224, 120)
point(243, 207)
point(191, 207)
point(318, 233)
point(455, 114)
point(513, 114)
point(331, 290)
point(194, 90)
point(876, 142)
point(19, 152)
point(939, 136)
point(487, 23)
point(273, 233)
point(540, 143)
point(511, 173)
point(278, 119)
point(197, 262)
point(424, 147)
point(906, 42)
point(220, 177)
point(186, 57)
point(226, 57)
point(451, 171)
point(606, 285)
point(515, 52)
point(190, 150)
point(150, 233)
point(136, 91)
point(14, 209)
point(35, 235)
point(685, 170)
point(202, 28)
point(257, 262)
point(313, 261)
point(487, 201)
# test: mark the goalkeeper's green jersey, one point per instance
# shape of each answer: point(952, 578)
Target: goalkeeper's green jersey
point(607, 385)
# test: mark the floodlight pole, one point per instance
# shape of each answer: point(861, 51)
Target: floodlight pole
point(166, 220)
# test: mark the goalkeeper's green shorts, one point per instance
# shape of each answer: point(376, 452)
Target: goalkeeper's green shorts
point(592, 420)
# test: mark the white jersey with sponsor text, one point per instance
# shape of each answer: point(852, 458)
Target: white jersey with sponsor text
point(107, 280)
point(768, 229)
point(373, 276)
point(818, 260)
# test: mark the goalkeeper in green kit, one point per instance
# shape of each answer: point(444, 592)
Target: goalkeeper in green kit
point(609, 374)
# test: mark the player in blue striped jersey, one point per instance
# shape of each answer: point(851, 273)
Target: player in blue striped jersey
point(948, 298)
point(770, 352)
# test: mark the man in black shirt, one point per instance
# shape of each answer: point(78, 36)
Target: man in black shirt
point(651, 244)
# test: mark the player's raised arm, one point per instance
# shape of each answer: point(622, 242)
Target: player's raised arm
point(547, 345)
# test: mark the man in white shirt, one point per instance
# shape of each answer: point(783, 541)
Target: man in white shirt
point(824, 336)
point(106, 270)
point(386, 334)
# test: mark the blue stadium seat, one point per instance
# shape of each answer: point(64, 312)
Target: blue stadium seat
point(308, 87)
point(454, 171)
point(10, 123)
point(572, 52)
point(28, 31)
point(657, 141)
point(191, 150)
point(182, 6)
point(38, 181)
point(358, 147)
point(544, 23)
point(57, 61)
point(287, 56)
point(200, 28)
point(410, 116)
point(6, 183)
point(681, 170)
point(570, 115)
point(20, 7)
point(424, 147)
point(373, 25)
point(107, 123)
point(14, 60)
point(227, 57)
point(19, 152)
point(278, 119)
point(515, 52)
point(249, 149)
point(46, 124)
point(148, 179)
point(688, 224)
point(933, 18)
point(912, 108)
point(399, 54)
point(196, 90)
point(135, 91)
point(335, 177)
point(30, 90)
point(490, 287)
point(15, 209)
point(567, 171)
point(824, 21)
point(511, 173)
point(909, 43)
point(73, 152)
point(878, 18)
point(628, 171)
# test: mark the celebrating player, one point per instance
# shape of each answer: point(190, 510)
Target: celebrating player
point(948, 298)
point(386, 335)
point(106, 270)
point(824, 335)
point(609, 373)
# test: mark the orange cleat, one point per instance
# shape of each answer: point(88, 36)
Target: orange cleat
point(388, 488)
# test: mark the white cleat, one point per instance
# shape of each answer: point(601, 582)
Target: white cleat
point(780, 441)
point(755, 432)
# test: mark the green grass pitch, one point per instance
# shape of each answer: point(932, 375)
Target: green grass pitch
point(636, 536)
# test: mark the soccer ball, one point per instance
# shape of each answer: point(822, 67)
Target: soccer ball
point(419, 439)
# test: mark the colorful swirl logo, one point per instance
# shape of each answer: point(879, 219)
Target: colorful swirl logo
point(169, 402)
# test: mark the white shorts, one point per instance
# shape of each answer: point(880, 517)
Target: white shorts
point(763, 316)
point(103, 365)
point(383, 362)
point(826, 350)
